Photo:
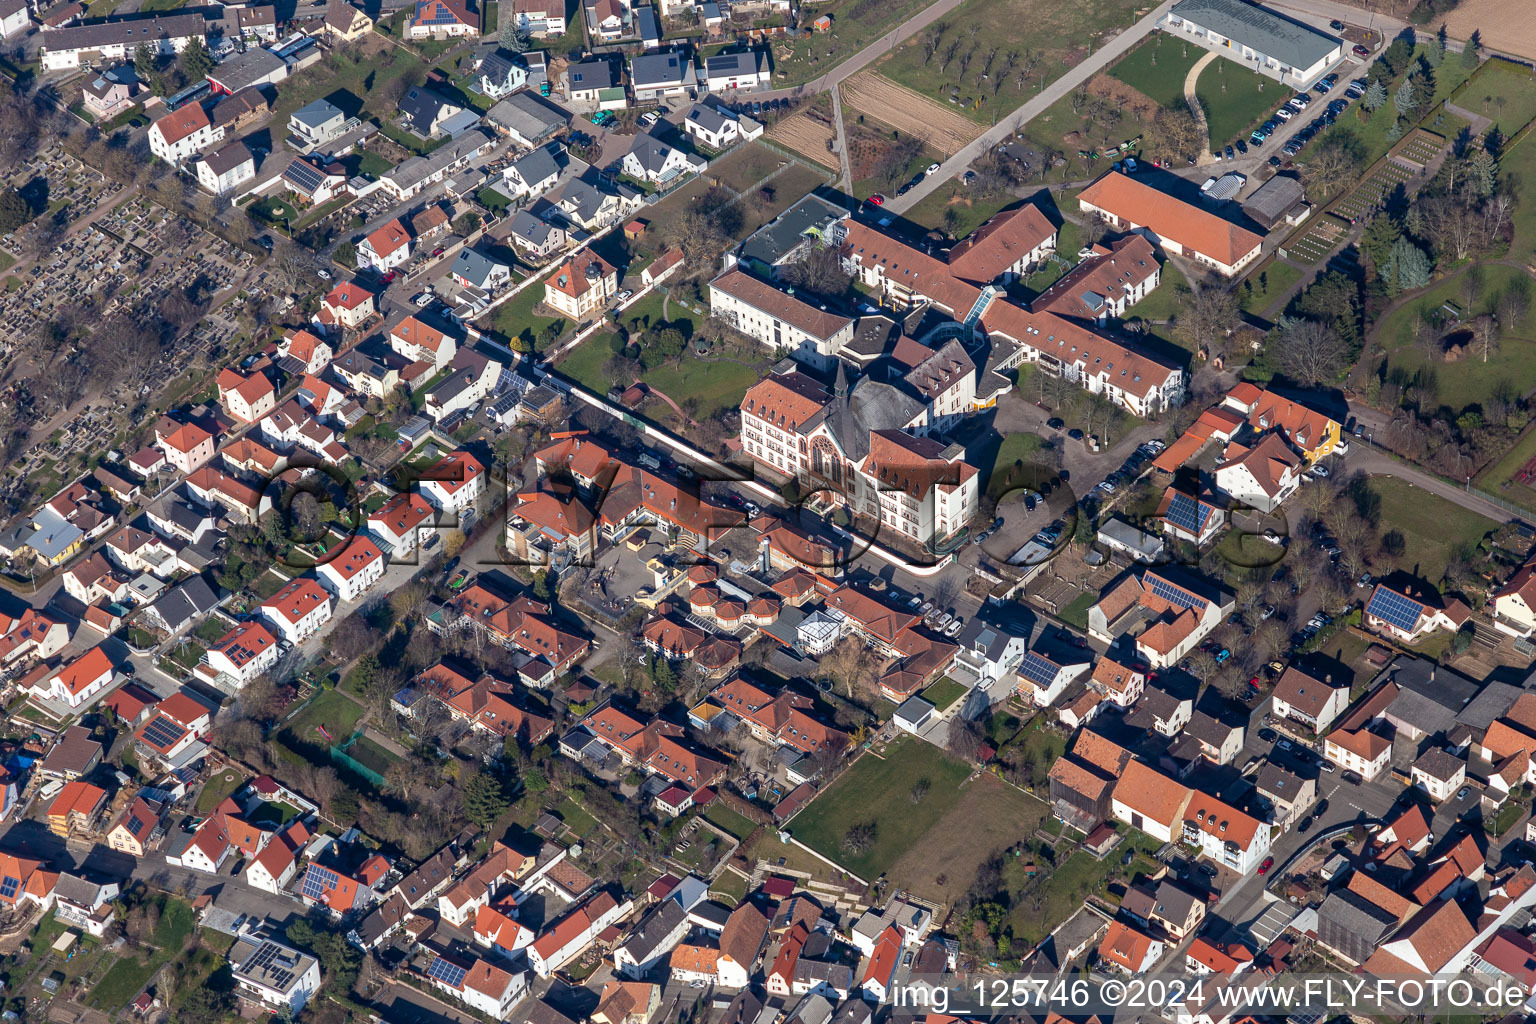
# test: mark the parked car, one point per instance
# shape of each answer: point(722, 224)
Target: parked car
point(1285, 113)
point(1267, 735)
point(876, 200)
point(1229, 153)
point(1326, 766)
point(323, 274)
point(1336, 25)
point(1055, 423)
point(1360, 51)
point(933, 168)
point(1269, 862)
point(953, 629)
point(1284, 744)
point(1075, 434)
point(1354, 778)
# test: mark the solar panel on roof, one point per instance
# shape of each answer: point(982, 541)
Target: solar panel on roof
point(1395, 609)
point(135, 823)
point(1172, 594)
point(9, 886)
point(163, 733)
point(318, 882)
point(1187, 513)
point(446, 971)
point(303, 175)
point(1037, 669)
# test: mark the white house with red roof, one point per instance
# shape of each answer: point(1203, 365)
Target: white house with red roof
point(186, 445)
point(348, 305)
point(454, 484)
point(402, 523)
point(76, 682)
point(274, 867)
point(182, 134)
point(175, 727)
point(246, 398)
point(306, 347)
point(580, 285)
point(566, 938)
point(1262, 476)
point(441, 19)
point(239, 656)
point(876, 982)
point(352, 570)
point(298, 610)
point(496, 929)
point(385, 248)
point(479, 984)
point(421, 342)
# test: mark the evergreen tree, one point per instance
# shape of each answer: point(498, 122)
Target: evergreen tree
point(484, 799)
point(1406, 99)
point(1469, 51)
point(196, 61)
point(1482, 173)
point(14, 211)
point(1375, 96)
point(144, 63)
point(1377, 240)
point(1434, 51)
point(1411, 264)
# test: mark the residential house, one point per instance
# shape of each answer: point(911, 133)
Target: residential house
point(572, 934)
point(499, 75)
point(345, 23)
point(348, 305)
point(596, 84)
point(270, 975)
point(717, 127)
point(1189, 517)
point(1406, 611)
point(1314, 703)
point(533, 173)
point(1176, 911)
point(313, 181)
point(348, 572)
point(239, 656)
point(538, 238)
point(1106, 284)
point(107, 95)
point(275, 866)
point(1313, 434)
point(780, 321)
point(226, 169)
point(736, 72)
point(84, 904)
point(1439, 773)
point(135, 830)
point(101, 42)
point(310, 353)
point(402, 523)
point(246, 397)
point(539, 19)
point(1168, 614)
point(653, 161)
point(76, 808)
point(419, 341)
point(1290, 797)
point(298, 610)
point(442, 19)
point(183, 133)
point(662, 77)
point(651, 940)
point(1044, 675)
point(1129, 950)
point(454, 484)
point(1120, 684)
point(424, 112)
point(385, 248)
point(76, 682)
point(316, 125)
point(474, 269)
point(186, 445)
point(581, 286)
point(1262, 476)
point(74, 755)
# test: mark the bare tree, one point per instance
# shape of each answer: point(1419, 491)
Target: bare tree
point(1312, 353)
point(1485, 331)
point(1206, 317)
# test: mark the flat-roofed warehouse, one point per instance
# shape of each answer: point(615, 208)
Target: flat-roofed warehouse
point(1256, 38)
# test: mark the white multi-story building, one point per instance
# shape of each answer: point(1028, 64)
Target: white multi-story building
point(182, 134)
point(226, 169)
point(866, 446)
point(353, 570)
point(778, 320)
point(402, 523)
point(239, 656)
point(298, 610)
point(454, 484)
point(385, 248)
point(1256, 38)
point(101, 42)
point(78, 681)
point(270, 974)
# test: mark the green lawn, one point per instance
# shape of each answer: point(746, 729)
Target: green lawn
point(1517, 169)
point(1499, 478)
point(219, 787)
point(943, 693)
point(729, 885)
point(1075, 612)
point(1157, 67)
point(515, 318)
point(1235, 100)
point(1020, 447)
point(723, 817)
point(129, 974)
point(1435, 529)
point(1504, 91)
point(1163, 303)
point(969, 212)
point(337, 713)
point(1260, 289)
point(877, 790)
point(1058, 33)
point(1469, 381)
point(1063, 886)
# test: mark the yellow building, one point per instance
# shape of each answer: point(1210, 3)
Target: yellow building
point(1314, 434)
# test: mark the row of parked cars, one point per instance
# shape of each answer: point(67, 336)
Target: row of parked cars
point(1296, 106)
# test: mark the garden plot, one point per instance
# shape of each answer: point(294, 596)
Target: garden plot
point(1359, 203)
point(1324, 236)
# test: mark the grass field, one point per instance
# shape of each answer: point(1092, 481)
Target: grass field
point(943, 693)
point(746, 166)
point(723, 817)
point(1075, 612)
point(331, 709)
point(1503, 91)
point(1517, 169)
point(1469, 381)
point(990, 814)
point(855, 24)
point(515, 318)
point(1434, 528)
point(1266, 286)
point(1235, 99)
point(1021, 447)
point(970, 212)
point(1062, 887)
point(1060, 35)
point(877, 790)
point(129, 974)
point(218, 788)
point(1157, 68)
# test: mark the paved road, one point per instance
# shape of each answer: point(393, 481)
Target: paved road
point(1364, 455)
point(1063, 86)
